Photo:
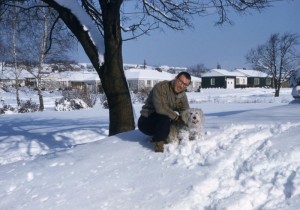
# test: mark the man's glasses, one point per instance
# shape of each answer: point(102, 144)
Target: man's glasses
point(182, 84)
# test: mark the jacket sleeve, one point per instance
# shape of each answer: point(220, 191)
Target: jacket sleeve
point(160, 101)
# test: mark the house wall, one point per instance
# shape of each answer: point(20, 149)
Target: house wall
point(220, 82)
point(259, 82)
point(133, 85)
point(241, 82)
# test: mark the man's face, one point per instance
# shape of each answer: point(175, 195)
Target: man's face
point(181, 83)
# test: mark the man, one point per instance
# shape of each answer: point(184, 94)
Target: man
point(161, 108)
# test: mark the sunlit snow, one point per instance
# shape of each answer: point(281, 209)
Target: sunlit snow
point(248, 159)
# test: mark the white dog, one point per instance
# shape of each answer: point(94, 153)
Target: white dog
point(190, 129)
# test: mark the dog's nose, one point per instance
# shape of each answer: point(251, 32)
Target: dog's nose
point(194, 117)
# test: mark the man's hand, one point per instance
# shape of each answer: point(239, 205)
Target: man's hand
point(178, 119)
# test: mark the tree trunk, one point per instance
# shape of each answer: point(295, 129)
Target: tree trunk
point(17, 86)
point(41, 100)
point(111, 72)
point(277, 92)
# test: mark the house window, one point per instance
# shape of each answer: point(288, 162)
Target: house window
point(268, 81)
point(237, 81)
point(256, 81)
point(212, 81)
point(148, 83)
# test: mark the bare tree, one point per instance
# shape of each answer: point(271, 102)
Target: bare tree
point(277, 57)
point(137, 18)
point(198, 70)
point(45, 37)
point(12, 36)
point(49, 40)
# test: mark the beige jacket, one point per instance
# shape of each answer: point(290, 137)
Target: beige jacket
point(163, 100)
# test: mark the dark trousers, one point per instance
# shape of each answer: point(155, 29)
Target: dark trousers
point(155, 125)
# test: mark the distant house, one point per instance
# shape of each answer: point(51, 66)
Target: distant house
point(74, 80)
point(139, 79)
point(256, 78)
point(221, 78)
point(9, 76)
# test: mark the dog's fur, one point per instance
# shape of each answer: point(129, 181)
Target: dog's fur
point(189, 129)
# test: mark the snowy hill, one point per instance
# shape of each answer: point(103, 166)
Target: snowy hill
point(249, 159)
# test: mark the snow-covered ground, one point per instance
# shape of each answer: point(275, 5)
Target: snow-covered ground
point(248, 159)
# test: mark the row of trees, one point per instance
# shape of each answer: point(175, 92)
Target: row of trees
point(102, 26)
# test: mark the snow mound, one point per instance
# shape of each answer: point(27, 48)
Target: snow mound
point(241, 158)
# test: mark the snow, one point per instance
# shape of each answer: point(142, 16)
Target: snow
point(148, 74)
point(248, 158)
point(252, 73)
point(222, 72)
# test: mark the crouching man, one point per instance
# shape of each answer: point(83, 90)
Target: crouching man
point(165, 100)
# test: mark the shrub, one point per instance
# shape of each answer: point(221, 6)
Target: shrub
point(140, 97)
point(28, 106)
point(84, 95)
point(6, 108)
point(75, 99)
point(68, 104)
point(103, 101)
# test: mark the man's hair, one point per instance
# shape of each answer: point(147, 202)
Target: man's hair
point(185, 74)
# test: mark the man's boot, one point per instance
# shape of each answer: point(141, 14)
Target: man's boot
point(159, 146)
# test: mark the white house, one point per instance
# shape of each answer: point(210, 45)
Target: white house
point(73, 79)
point(139, 79)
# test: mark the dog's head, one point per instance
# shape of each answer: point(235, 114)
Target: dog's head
point(193, 117)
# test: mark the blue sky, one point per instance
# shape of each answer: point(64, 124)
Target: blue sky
point(212, 45)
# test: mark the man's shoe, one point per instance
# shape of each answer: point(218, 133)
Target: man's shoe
point(159, 146)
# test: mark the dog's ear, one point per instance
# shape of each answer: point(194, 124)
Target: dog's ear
point(185, 116)
point(201, 114)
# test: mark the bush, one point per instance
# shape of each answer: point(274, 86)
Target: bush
point(75, 99)
point(103, 101)
point(67, 104)
point(28, 106)
point(140, 97)
point(84, 95)
point(6, 108)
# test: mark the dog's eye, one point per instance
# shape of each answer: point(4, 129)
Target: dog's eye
point(191, 113)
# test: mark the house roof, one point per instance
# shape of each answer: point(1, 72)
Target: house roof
point(149, 74)
point(75, 76)
point(222, 72)
point(10, 74)
point(251, 73)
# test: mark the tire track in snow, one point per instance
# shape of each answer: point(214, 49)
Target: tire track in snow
point(238, 159)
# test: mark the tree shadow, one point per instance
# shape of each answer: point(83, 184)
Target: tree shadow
point(228, 113)
point(48, 135)
point(136, 136)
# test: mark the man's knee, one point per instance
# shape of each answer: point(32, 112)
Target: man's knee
point(144, 126)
